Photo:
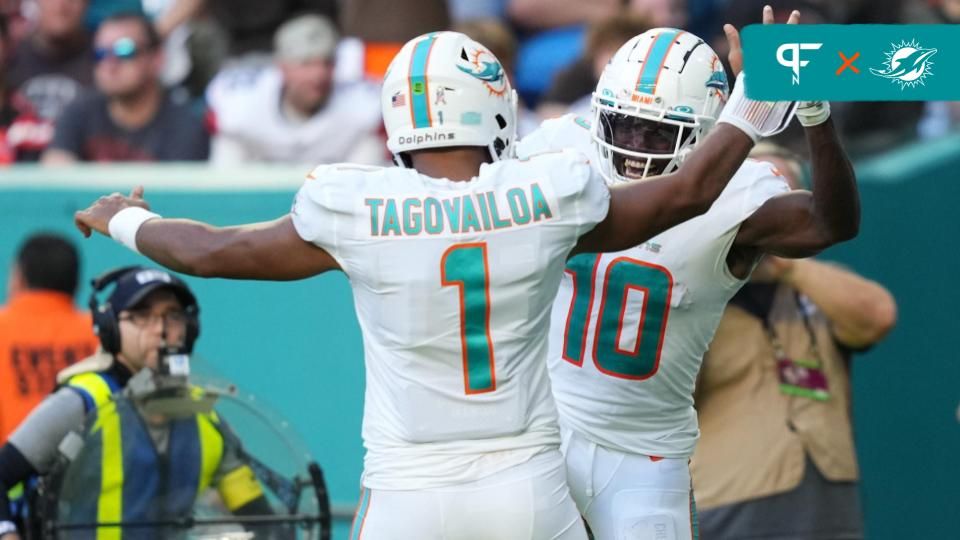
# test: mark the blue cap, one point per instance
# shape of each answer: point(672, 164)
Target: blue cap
point(132, 287)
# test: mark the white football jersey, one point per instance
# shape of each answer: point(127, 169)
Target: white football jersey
point(250, 126)
point(629, 329)
point(453, 283)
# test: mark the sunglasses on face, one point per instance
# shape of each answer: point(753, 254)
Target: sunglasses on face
point(122, 49)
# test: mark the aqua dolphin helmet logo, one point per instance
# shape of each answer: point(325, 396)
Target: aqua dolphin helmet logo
point(907, 64)
point(484, 66)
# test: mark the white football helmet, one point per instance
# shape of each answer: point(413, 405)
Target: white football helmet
point(657, 97)
point(444, 89)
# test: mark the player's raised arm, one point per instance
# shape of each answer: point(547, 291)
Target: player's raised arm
point(641, 210)
point(270, 250)
point(801, 223)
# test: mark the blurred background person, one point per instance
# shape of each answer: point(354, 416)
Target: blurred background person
point(41, 332)
point(573, 86)
point(552, 34)
point(776, 455)
point(249, 25)
point(294, 111)
point(377, 29)
point(45, 72)
point(131, 117)
point(165, 460)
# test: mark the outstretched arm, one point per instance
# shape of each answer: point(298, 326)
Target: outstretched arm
point(641, 210)
point(271, 250)
point(801, 223)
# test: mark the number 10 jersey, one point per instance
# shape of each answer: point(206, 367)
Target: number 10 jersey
point(629, 329)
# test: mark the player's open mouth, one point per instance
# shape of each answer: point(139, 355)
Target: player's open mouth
point(633, 169)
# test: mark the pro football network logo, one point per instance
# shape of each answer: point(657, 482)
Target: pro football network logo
point(794, 62)
point(907, 64)
point(484, 66)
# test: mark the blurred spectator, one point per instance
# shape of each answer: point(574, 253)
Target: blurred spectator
point(294, 112)
point(40, 330)
point(572, 87)
point(23, 135)
point(49, 68)
point(131, 117)
point(551, 38)
point(7, 112)
point(776, 455)
point(53, 64)
point(555, 34)
point(462, 11)
point(931, 12)
point(249, 24)
point(549, 14)
point(376, 29)
point(17, 25)
point(499, 38)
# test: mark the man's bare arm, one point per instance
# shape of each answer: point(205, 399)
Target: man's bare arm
point(861, 311)
point(801, 223)
point(269, 251)
point(641, 210)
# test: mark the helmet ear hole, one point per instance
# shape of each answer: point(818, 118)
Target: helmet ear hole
point(501, 121)
point(499, 145)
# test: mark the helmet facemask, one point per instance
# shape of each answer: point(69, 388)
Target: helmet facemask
point(638, 143)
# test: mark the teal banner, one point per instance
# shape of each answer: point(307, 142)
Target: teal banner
point(862, 62)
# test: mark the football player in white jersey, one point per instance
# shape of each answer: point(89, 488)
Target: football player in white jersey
point(629, 328)
point(454, 264)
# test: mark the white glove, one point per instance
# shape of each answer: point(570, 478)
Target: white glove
point(813, 113)
point(756, 118)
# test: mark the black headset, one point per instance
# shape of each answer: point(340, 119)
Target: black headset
point(107, 326)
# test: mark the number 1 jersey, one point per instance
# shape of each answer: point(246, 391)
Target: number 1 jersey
point(629, 329)
point(453, 284)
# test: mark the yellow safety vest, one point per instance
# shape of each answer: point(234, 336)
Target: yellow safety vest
point(135, 482)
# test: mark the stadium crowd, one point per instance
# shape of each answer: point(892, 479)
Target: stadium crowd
point(297, 80)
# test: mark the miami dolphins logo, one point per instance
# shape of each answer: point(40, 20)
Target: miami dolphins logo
point(907, 64)
point(718, 79)
point(484, 66)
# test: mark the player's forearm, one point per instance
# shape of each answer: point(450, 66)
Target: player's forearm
point(835, 197)
point(189, 247)
point(860, 310)
point(642, 210)
point(706, 172)
point(271, 250)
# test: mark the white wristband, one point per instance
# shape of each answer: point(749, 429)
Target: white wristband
point(813, 113)
point(124, 225)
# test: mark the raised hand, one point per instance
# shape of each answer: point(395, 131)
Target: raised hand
point(735, 56)
point(97, 216)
